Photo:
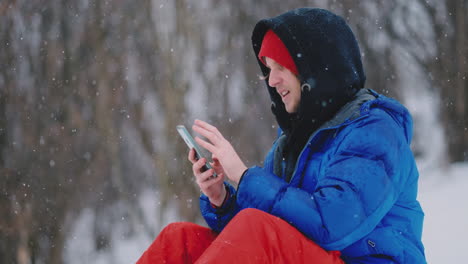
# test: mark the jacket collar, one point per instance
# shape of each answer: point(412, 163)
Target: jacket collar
point(351, 110)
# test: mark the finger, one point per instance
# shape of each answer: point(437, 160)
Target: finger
point(191, 155)
point(198, 165)
point(205, 176)
point(214, 158)
point(208, 127)
point(217, 167)
point(206, 133)
point(215, 163)
point(211, 181)
point(204, 124)
point(211, 148)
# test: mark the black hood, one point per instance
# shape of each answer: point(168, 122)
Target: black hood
point(328, 60)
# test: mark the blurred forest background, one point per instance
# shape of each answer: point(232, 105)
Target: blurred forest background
point(91, 92)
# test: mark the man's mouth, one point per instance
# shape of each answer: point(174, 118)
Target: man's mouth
point(284, 93)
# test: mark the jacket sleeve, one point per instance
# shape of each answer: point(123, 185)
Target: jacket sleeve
point(357, 185)
point(218, 218)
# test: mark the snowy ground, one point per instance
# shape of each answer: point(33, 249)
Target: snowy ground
point(444, 197)
point(443, 194)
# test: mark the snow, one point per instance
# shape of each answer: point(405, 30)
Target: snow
point(443, 194)
point(80, 247)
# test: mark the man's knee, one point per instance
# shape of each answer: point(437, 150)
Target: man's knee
point(177, 228)
point(252, 216)
point(252, 212)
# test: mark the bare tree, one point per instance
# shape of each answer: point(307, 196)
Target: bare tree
point(449, 71)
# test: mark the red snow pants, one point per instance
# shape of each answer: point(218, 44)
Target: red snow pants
point(252, 236)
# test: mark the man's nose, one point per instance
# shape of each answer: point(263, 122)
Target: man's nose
point(273, 79)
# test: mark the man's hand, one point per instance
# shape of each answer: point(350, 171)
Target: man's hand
point(211, 187)
point(222, 150)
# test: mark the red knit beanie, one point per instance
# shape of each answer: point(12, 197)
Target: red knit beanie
point(274, 48)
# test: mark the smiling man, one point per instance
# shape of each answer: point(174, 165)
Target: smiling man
point(282, 71)
point(339, 184)
point(286, 84)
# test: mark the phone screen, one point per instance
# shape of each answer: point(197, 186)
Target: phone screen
point(188, 139)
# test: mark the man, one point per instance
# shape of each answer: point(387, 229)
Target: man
point(340, 183)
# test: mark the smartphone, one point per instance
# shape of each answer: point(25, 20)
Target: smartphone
point(183, 132)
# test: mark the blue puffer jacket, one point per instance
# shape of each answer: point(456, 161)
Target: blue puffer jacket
point(354, 187)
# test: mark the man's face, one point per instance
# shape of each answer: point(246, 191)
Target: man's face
point(286, 83)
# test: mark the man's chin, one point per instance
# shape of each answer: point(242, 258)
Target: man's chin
point(291, 111)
